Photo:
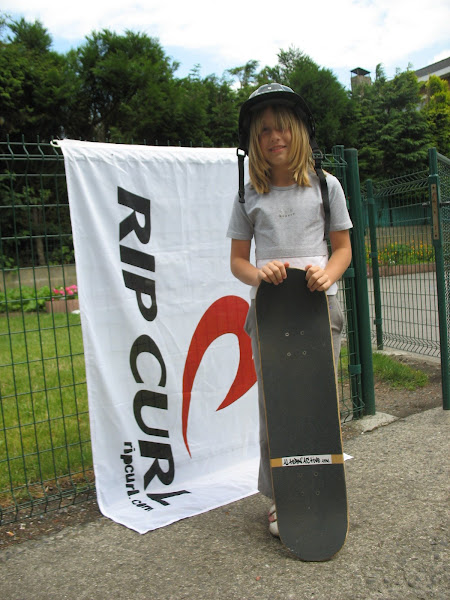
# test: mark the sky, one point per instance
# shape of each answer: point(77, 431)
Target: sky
point(337, 35)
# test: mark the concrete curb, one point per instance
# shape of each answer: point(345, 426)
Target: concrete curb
point(372, 422)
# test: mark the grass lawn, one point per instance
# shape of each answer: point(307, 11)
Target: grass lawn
point(44, 422)
point(385, 368)
point(396, 374)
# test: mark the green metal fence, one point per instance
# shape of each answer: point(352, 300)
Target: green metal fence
point(443, 171)
point(439, 185)
point(45, 450)
point(405, 246)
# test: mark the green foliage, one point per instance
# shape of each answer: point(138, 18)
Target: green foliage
point(36, 89)
point(35, 227)
point(437, 113)
point(246, 74)
point(6, 262)
point(43, 366)
point(410, 253)
point(397, 374)
point(207, 112)
point(63, 255)
point(321, 90)
point(404, 134)
point(248, 79)
point(24, 299)
point(123, 87)
point(392, 134)
point(33, 36)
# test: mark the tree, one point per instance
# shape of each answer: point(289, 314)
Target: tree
point(321, 90)
point(223, 112)
point(248, 79)
point(207, 111)
point(35, 97)
point(369, 112)
point(191, 110)
point(34, 36)
point(404, 134)
point(246, 74)
point(437, 113)
point(36, 89)
point(392, 134)
point(126, 82)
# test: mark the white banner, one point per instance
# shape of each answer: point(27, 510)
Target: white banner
point(170, 379)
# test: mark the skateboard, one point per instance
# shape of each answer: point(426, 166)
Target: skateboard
point(302, 417)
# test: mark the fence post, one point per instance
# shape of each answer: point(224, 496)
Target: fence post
point(354, 361)
point(435, 201)
point(362, 293)
point(375, 270)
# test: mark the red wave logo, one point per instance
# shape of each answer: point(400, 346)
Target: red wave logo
point(226, 315)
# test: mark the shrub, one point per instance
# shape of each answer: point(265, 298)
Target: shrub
point(403, 254)
point(26, 299)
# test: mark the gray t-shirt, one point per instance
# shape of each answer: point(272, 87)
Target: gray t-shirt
point(289, 221)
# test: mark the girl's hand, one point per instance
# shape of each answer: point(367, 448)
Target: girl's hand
point(273, 272)
point(317, 278)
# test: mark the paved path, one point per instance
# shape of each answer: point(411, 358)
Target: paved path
point(409, 312)
point(397, 549)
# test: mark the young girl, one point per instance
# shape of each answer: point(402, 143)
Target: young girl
point(284, 209)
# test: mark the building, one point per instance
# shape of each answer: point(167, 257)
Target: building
point(360, 77)
point(440, 68)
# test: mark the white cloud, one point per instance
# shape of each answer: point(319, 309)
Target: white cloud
point(337, 35)
point(441, 56)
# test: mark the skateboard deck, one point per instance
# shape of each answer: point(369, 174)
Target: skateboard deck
point(302, 416)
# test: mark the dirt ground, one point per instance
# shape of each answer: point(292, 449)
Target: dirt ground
point(402, 403)
point(394, 401)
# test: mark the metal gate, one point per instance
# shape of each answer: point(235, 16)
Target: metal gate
point(408, 262)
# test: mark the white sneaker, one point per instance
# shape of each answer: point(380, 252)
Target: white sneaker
point(273, 523)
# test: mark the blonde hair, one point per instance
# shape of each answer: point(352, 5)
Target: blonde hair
point(300, 156)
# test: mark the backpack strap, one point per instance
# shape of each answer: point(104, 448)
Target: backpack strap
point(241, 156)
point(318, 157)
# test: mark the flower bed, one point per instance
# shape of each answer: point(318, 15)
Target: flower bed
point(64, 299)
point(61, 306)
